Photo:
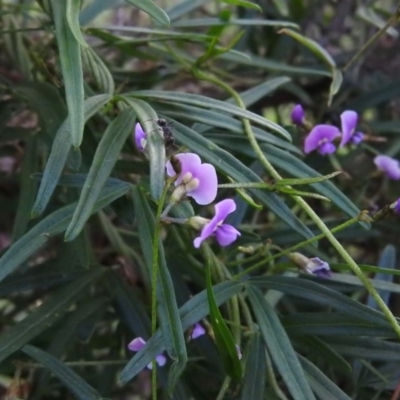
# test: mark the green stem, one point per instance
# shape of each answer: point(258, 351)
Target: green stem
point(303, 204)
point(391, 21)
point(297, 246)
point(154, 277)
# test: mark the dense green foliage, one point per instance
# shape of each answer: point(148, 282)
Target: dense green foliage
point(93, 251)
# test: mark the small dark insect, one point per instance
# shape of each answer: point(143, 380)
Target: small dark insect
point(167, 131)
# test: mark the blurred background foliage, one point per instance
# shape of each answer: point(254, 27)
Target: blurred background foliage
point(78, 201)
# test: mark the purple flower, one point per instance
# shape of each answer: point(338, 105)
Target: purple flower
point(298, 114)
point(396, 208)
point(140, 137)
point(195, 179)
point(349, 121)
point(389, 165)
point(317, 267)
point(225, 234)
point(320, 138)
point(357, 138)
point(198, 331)
point(138, 343)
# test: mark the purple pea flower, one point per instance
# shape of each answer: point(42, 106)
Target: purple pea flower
point(396, 206)
point(195, 179)
point(320, 138)
point(349, 121)
point(138, 343)
point(389, 165)
point(224, 233)
point(317, 267)
point(140, 137)
point(298, 114)
point(198, 331)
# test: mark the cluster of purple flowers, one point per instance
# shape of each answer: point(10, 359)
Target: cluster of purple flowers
point(322, 136)
point(199, 181)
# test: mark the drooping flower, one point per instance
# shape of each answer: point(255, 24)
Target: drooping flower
point(389, 165)
point(198, 331)
point(140, 137)
point(314, 266)
point(195, 179)
point(138, 343)
point(298, 114)
point(319, 268)
point(224, 233)
point(397, 207)
point(320, 138)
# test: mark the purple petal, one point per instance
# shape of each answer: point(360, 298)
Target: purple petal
point(226, 234)
point(397, 207)
point(189, 161)
point(136, 344)
point(222, 209)
point(389, 165)
point(349, 120)
point(206, 191)
point(198, 331)
point(140, 137)
point(327, 148)
point(297, 114)
point(357, 138)
point(161, 360)
point(319, 268)
point(319, 135)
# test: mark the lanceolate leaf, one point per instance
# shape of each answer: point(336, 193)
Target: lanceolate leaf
point(280, 347)
point(71, 67)
point(53, 224)
point(104, 160)
point(223, 336)
point(78, 386)
point(73, 8)
point(152, 9)
point(59, 153)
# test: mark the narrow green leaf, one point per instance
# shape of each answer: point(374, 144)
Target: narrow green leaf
point(337, 80)
point(280, 347)
point(206, 102)
point(71, 67)
point(223, 336)
point(53, 224)
point(321, 295)
point(73, 9)
point(255, 373)
point(71, 380)
point(306, 181)
point(27, 188)
point(155, 144)
point(46, 100)
point(153, 10)
point(59, 153)
point(313, 46)
point(166, 300)
point(101, 74)
point(231, 166)
point(323, 387)
point(104, 160)
point(191, 312)
point(260, 91)
point(242, 3)
point(46, 315)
